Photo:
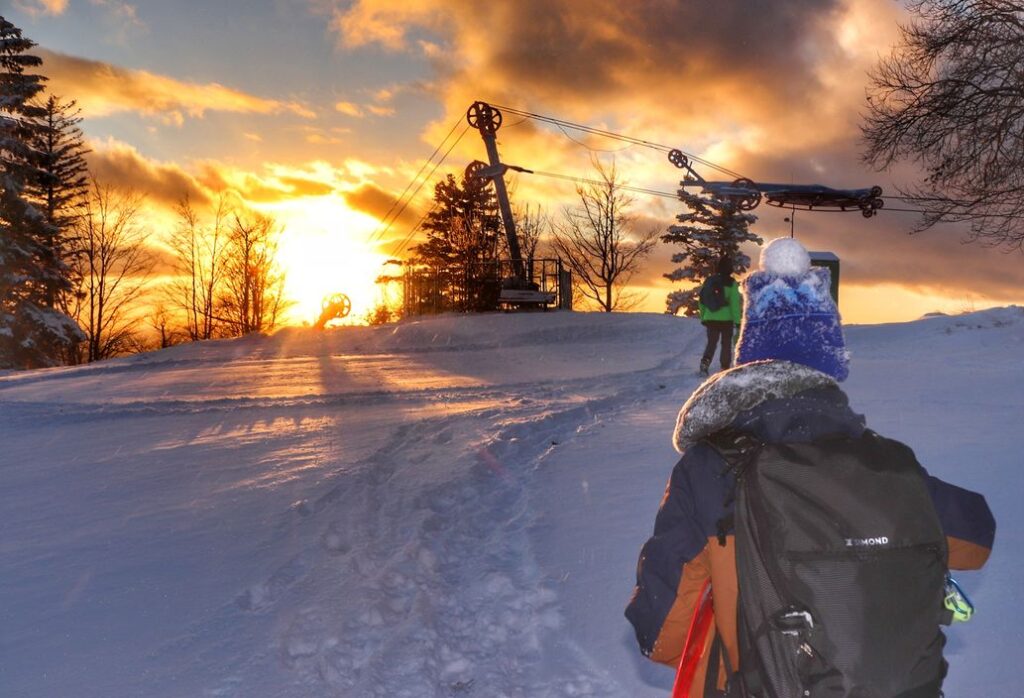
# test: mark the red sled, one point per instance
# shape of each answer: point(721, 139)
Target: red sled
point(696, 639)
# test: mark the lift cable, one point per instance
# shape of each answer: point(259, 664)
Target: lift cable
point(617, 136)
point(424, 181)
point(591, 148)
point(385, 224)
point(413, 231)
point(415, 228)
point(597, 182)
point(964, 216)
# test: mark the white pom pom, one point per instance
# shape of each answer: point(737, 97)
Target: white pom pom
point(785, 257)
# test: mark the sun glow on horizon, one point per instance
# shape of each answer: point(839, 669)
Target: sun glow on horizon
point(324, 250)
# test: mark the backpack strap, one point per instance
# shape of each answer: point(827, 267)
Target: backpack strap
point(738, 449)
point(711, 674)
point(717, 655)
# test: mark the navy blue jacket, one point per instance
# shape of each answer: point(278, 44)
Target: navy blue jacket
point(777, 402)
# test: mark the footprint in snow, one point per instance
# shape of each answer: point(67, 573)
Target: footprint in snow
point(264, 594)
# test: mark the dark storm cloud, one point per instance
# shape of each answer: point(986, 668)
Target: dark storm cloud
point(592, 49)
point(681, 52)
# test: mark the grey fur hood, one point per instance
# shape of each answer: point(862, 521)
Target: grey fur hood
point(723, 397)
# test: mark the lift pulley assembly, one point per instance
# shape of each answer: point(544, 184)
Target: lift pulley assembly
point(809, 197)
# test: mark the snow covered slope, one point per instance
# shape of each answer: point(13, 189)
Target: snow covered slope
point(449, 507)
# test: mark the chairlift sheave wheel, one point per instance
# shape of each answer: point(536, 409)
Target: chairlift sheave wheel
point(483, 117)
point(870, 208)
point(339, 305)
point(752, 200)
point(473, 169)
point(676, 157)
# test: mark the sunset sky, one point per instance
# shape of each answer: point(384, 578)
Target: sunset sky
point(322, 111)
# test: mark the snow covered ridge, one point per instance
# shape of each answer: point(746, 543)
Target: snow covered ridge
point(986, 319)
point(447, 507)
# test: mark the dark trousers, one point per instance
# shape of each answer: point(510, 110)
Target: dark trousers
point(718, 331)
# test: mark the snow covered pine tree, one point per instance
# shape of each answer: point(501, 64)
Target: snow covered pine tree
point(32, 332)
point(712, 228)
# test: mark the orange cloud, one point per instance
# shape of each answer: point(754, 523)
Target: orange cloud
point(358, 111)
point(41, 7)
point(788, 78)
point(773, 94)
point(164, 184)
point(276, 182)
point(348, 108)
point(381, 22)
point(119, 164)
point(371, 199)
point(301, 186)
point(102, 89)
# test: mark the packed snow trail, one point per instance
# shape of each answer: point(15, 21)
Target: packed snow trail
point(449, 507)
point(271, 516)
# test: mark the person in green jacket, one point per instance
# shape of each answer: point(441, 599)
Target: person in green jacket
point(720, 311)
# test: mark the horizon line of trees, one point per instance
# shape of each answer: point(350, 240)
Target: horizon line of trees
point(78, 260)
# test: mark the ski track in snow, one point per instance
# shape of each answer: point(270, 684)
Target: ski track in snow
point(413, 574)
point(451, 602)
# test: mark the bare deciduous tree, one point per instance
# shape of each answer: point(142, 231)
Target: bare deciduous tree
point(951, 99)
point(112, 264)
point(531, 225)
point(199, 251)
point(166, 331)
point(253, 296)
point(594, 241)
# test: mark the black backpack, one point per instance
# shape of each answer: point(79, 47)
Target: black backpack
point(841, 563)
point(712, 293)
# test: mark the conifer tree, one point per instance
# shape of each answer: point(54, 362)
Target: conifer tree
point(462, 244)
point(32, 332)
point(63, 182)
point(712, 228)
point(464, 227)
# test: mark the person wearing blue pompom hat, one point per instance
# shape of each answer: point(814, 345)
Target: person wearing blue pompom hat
point(789, 313)
point(783, 398)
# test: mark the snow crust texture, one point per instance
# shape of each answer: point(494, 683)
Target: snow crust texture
point(444, 508)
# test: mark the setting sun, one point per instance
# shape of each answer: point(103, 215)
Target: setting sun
point(324, 250)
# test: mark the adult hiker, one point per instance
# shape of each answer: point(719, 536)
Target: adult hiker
point(843, 540)
point(720, 306)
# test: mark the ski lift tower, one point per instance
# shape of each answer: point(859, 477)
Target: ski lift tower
point(487, 120)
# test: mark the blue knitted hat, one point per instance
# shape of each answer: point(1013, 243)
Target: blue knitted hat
point(789, 314)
